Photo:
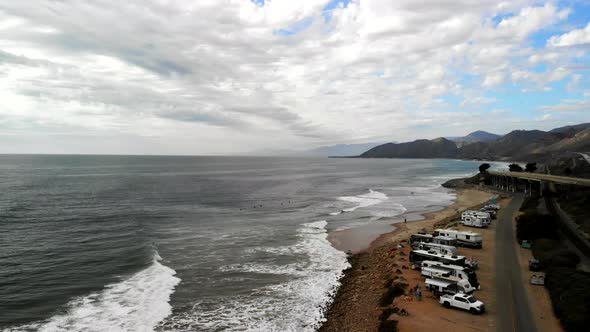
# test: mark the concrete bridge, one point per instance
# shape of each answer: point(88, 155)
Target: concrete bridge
point(529, 182)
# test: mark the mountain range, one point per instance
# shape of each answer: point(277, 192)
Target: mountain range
point(518, 145)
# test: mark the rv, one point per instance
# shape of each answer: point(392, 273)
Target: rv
point(447, 241)
point(455, 270)
point(464, 239)
point(440, 287)
point(417, 256)
point(463, 285)
point(484, 216)
point(420, 238)
point(473, 221)
point(440, 248)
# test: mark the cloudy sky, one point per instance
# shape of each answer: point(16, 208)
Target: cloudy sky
point(241, 76)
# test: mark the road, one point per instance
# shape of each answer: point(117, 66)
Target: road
point(514, 313)
point(587, 157)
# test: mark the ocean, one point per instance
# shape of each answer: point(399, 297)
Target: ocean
point(154, 243)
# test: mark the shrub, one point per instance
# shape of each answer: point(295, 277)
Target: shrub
point(533, 226)
point(570, 294)
point(529, 205)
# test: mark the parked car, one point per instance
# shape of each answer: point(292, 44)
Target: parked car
point(535, 265)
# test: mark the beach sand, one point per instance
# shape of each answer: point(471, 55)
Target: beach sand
point(356, 304)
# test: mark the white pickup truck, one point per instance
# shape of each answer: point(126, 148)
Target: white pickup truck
point(462, 301)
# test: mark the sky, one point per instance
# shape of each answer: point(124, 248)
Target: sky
point(235, 77)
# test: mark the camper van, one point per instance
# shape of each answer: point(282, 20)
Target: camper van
point(440, 287)
point(420, 238)
point(463, 285)
point(417, 256)
point(473, 221)
point(455, 270)
point(485, 217)
point(464, 239)
point(440, 248)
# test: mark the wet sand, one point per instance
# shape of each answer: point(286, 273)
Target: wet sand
point(368, 237)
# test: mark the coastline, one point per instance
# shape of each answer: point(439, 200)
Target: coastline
point(356, 304)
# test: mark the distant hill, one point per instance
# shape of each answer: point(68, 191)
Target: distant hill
point(340, 150)
point(570, 130)
point(476, 136)
point(437, 148)
point(519, 145)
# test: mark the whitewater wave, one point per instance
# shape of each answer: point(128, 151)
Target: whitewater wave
point(296, 305)
point(135, 304)
point(372, 198)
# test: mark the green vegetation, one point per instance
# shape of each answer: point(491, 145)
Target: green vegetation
point(529, 205)
point(484, 167)
point(577, 205)
point(515, 168)
point(532, 226)
point(568, 288)
point(551, 253)
point(530, 167)
point(570, 294)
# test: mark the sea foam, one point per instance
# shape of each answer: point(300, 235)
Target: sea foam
point(373, 197)
point(295, 305)
point(135, 304)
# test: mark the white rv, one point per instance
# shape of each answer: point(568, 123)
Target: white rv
point(448, 241)
point(485, 217)
point(463, 285)
point(441, 286)
point(417, 256)
point(455, 270)
point(440, 248)
point(418, 238)
point(473, 221)
point(465, 239)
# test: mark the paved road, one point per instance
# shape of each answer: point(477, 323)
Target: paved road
point(514, 313)
point(587, 157)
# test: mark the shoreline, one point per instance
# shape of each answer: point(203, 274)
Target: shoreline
point(355, 306)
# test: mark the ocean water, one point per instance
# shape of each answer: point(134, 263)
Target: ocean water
point(130, 243)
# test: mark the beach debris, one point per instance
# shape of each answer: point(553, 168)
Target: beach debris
point(403, 312)
point(398, 271)
point(404, 267)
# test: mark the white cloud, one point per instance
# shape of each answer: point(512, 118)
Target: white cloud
point(222, 76)
point(572, 38)
point(569, 105)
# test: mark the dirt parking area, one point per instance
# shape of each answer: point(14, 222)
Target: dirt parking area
point(425, 314)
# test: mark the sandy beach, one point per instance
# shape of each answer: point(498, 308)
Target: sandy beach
point(356, 304)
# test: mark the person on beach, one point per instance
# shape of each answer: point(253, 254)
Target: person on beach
point(418, 294)
point(405, 220)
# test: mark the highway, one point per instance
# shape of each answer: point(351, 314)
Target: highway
point(514, 313)
point(544, 177)
point(587, 157)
